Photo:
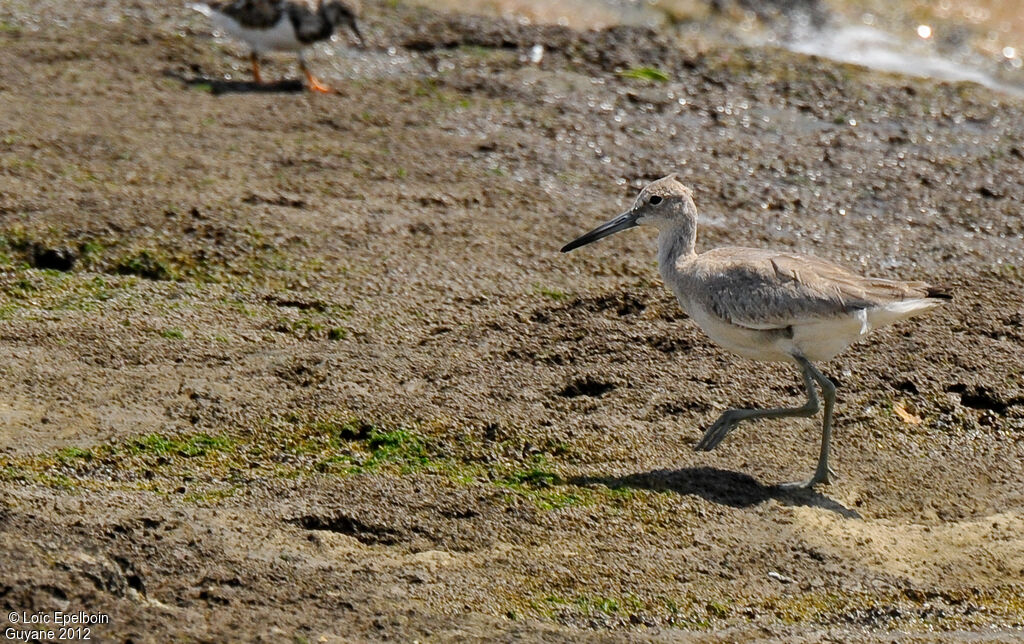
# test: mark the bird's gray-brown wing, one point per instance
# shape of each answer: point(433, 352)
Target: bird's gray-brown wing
point(771, 290)
point(252, 14)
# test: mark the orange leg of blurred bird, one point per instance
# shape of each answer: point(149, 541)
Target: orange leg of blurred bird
point(255, 60)
point(311, 81)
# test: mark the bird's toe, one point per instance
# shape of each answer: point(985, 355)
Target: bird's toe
point(797, 485)
point(810, 483)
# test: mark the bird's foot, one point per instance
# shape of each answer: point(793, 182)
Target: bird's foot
point(801, 485)
point(717, 432)
point(820, 478)
point(315, 85)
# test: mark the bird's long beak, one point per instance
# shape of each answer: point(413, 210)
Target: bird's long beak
point(355, 29)
point(623, 222)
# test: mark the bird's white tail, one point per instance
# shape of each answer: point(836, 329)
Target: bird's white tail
point(894, 311)
point(201, 7)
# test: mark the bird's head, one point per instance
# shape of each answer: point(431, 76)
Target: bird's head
point(664, 203)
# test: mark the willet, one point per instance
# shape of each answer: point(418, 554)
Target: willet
point(766, 305)
point(282, 25)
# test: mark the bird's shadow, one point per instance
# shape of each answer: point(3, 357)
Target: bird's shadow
point(219, 86)
point(718, 486)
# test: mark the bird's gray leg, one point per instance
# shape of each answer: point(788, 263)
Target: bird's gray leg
point(828, 391)
point(728, 420)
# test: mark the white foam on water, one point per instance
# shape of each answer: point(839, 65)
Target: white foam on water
point(870, 47)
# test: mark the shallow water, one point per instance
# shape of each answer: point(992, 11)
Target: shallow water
point(871, 47)
point(960, 40)
point(978, 41)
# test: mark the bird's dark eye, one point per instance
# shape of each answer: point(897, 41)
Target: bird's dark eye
point(655, 200)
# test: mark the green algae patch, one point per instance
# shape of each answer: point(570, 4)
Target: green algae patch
point(652, 74)
point(208, 467)
point(147, 264)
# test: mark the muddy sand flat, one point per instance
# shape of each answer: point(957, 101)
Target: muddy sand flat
point(319, 373)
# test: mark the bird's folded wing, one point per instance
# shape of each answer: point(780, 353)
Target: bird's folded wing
point(252, 14)
point(770, 290)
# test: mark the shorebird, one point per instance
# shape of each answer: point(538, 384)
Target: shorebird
point(766, 305)
point(282, 25)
